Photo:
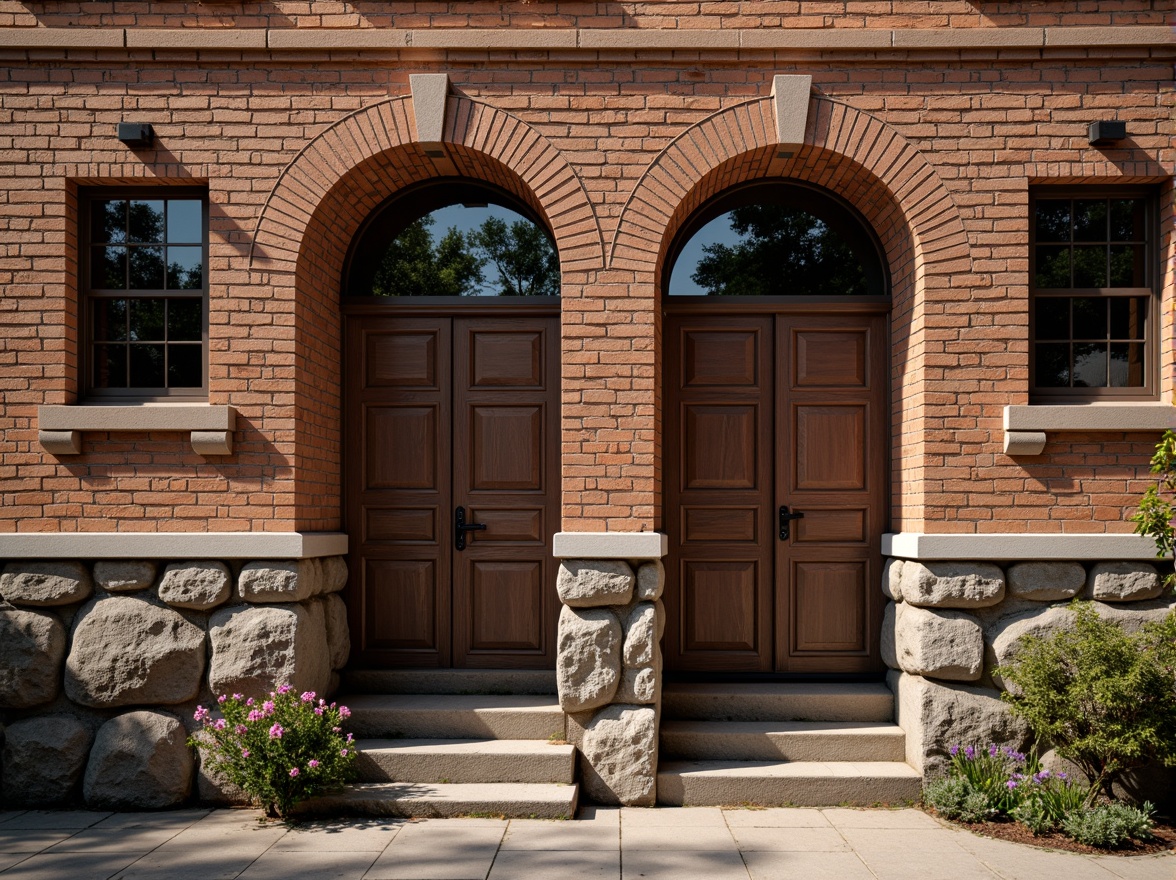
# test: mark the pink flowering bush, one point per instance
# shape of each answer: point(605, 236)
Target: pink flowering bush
point(279, 751)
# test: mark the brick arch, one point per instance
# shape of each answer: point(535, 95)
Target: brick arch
point(377, 145)
point(846, 150)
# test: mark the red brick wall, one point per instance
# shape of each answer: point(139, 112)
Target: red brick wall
point(937, 150)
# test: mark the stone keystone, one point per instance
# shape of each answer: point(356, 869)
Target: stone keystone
point(586, 583)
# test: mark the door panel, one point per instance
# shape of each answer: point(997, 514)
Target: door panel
point(718, 419)
point(765, 410)
point(506, 413)
point(443, 411)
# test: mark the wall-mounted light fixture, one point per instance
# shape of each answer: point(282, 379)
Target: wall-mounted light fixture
point(136, 134)
point(1107, 132)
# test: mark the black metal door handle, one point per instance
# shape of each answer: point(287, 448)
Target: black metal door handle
point(460, 527)
point(786, 519)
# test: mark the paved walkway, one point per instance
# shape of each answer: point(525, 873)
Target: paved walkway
point(661, 844)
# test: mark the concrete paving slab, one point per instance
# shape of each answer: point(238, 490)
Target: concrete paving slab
point(19, 840)
point(672, 817)
point(545, 834)
point(320, 866)
point(74, 866)
point(777, 817)
point(440, 850)
point(1161, 867)
point(141, 839)
point(931, 864)
point(56, 820)
point(170, 819)
point(683, 865)
point(789, 840)
point(806, 866)
point(909, 819)
point(206, 863)
point(342, 836)
point(600, 816)
point(1015, 862)
point(7, 860)
point(9, 815)
point(668, 838)
point(556, 865)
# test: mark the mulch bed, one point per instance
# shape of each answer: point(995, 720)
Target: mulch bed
point(1164, 839)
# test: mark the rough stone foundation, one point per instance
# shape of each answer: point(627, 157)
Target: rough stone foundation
point(102, 666)
point(950, 624)
point(609, 671)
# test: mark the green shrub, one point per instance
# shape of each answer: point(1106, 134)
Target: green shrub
point(1106, 699)
point(1157, 508)
point(280, 750)
point(993, 772)
point(1109, 825)
point(954, 798)
point(1046, 799)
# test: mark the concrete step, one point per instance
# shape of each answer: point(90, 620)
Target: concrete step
point(797, 783)
point(449, 681)
point(782, 741)
point(414, 799)
point(441, 716)
point(465, 761)
point(778, 702)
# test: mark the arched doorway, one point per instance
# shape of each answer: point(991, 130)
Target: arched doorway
point(451, 433)
point(775, 459)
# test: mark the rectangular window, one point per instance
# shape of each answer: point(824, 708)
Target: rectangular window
point(146, 292)
point(1093, 283)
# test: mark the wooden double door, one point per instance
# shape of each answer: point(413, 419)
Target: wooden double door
point(452, 421)
point(768, 416)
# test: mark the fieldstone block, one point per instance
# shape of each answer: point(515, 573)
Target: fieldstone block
point(651, 580)
point(886, 642)
point(1133, 617)
point(619, 749)
point(292, 581)
point(936, 716)
point(140, 761)
point(121, 576)
point(892, 580)
point(1123, 582)
point(640, 685)
point(1006, 634)
point(338, 634)
point(257, 648)
point(127, 651)
point(45, 583)
point(197, 586)
point(640, 635)
point(44, 759)
point(588, 658)
point(32, 648)
point(952, 584)
point(587, 583)
point(940, 644)
point(334, 574)
point(1045, 581)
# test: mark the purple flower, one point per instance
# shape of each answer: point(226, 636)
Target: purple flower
point(268, 707)
point(318, 710)
point(221, 698)
point(254, 715)
point(1041, 777)
point(1011, 784)
point(336, 729)
point(1063, 777)
point(238, 696)
point(992, 750)
point(276, 731)
point(350, 737)
point(954, 750)
point(307, 697)
point(244, 753)
point(344, 712)
point(200, 714)
point(343, 752)
point(219, 724)
point(285, 689)
point(249, 702)
point(293, 772)
point(241, 730)
point(312, 763)
point(970, 752)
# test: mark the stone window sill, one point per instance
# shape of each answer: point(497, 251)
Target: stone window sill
point(1026, 427)
point(59, 428)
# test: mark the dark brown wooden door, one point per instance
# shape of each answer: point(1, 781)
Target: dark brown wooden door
point(446, 412)
point(766, 410)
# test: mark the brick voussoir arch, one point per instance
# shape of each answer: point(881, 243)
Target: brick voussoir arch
point(682, 177)
point(473, 128)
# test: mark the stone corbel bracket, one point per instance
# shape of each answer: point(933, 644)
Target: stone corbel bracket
point(1026, 427)
point(60, 428)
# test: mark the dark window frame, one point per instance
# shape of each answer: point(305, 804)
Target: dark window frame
point(1151, 291)
point(88, 295)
